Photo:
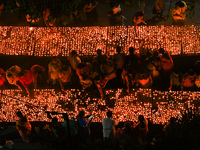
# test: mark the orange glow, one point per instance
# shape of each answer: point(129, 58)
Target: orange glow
point(127, 107)
point(86, 40)
point(31, 28)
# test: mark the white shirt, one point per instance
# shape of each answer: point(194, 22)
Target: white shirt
point(108, 127)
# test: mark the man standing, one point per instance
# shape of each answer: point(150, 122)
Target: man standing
point(109, 125)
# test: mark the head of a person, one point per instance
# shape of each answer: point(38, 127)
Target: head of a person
point(9, 144)
point(65, 116)
point(155, 54)
point(131, 50)
point(191, 72)
point(127, 125)
point(74, 53)
point(113, 4)
point(161, 50)
point(176, 71)
point(19, 114)
point(118, 49)
point(81, 114)
point(109, 114)
point(55, 120)
point(99, 52)
point(172, 120)
point(180, 4)
point(141, 118)
point(141, 13)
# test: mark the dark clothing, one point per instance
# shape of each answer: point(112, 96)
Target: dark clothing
point(92, 16)
point(132, 61)
point(115, 19)
point(84, 129)
point(73, 127)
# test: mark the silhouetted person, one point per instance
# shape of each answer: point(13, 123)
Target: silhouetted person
point(109, 125)
point(98, 60)
point(132, 59)
point(127, 132)
point(172, 127)
point(84, 126)
point(58, 132)
point(142, 129)
point(115, 16)
point(74, 129)
point(74, 59)
point(91, 13)
point(119, 58)
point(23, 126)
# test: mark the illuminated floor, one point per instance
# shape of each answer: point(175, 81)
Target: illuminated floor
point(156, 105)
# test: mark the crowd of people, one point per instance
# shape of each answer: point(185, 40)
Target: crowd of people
point(146, 69)
point(115, 15)
point(76, 133)
point(22, 79)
